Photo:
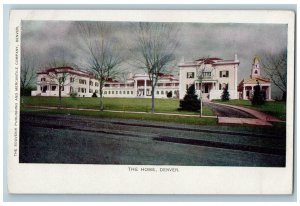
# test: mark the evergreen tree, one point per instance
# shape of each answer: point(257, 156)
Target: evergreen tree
point(225, 94)
point(258, 97)
point(190, 101)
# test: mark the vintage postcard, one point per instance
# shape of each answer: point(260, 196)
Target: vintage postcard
point(151, 102)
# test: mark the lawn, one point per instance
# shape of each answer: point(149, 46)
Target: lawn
point(274, 108)
point(120, 104)
point(124, 115)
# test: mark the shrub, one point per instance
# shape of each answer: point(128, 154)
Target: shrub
point(73, 94)
point(258, 96)
point(225, 94)
point(94, 94)
point(190, 101)
point(26, 91)
point(169, 94)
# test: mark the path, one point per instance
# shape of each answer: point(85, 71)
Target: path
point(231, 114)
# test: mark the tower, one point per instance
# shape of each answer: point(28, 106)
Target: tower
point(255, 71)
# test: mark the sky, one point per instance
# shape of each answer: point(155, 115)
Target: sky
point(45, 39)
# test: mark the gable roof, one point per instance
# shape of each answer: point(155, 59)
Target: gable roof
point(254, 80)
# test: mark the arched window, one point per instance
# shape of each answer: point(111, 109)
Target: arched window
point(255, 71)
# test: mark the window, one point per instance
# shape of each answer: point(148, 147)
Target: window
point(60, 79)
point(78, 89)
point(83, 90)
point(90, 91)
point(255, 72)
point(104, 92)
point(157, 92)
point(116, 92)
point(206, 74)
point(62, 88)
point(112, 92)
point(190, 75)
point(43, 79)
point(127, 92)
point(96, 90)
point(224, 74)
point(53, 88)
point(82, 81)
point(222, 86)
point(91, 83)
point(72, 79)
point(108, 92)
point(71, 89)
point(187, 86)
point(96, 84)
point(162, 92)
point(131, 92)
point(123, 92)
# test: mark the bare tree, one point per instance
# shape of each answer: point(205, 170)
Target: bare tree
point(103, 53)
point(28, 66)
point(60, 75)
point(155, 47)
point(63, 78)
point(275, 67)
point(200, 69)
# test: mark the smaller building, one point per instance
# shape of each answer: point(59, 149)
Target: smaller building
point(246, 86)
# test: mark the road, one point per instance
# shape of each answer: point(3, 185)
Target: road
point(223, 111)
point(46, 138)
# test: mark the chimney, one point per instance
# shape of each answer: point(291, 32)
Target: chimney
point(235, 58)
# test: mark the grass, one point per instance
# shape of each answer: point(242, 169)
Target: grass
point(274, 108)
point(120, 104)
point(123, 115)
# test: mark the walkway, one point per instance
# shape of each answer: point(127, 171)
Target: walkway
point(231, 114)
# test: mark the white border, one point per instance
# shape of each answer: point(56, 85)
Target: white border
point(115, 179)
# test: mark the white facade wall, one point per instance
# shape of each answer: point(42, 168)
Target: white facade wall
point(211, 86)
point(83, 88)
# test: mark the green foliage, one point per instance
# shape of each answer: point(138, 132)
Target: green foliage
point(225, 95)
point(94, 94)
point(169, 94)
point(73, 94)
point(190, 101)
point(258, 96)
point(26, 91)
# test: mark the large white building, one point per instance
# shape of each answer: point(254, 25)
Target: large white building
point(84, 84)
point(210, 76)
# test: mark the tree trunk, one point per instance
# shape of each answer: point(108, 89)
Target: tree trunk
point(152, 97)
point(59, 97)
point(283, 96)
point(101, 107)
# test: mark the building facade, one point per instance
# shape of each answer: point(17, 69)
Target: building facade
point(210, 76)
point(246, 86)
point(84, 84)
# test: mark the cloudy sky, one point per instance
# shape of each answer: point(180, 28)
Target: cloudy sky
point(48, 38)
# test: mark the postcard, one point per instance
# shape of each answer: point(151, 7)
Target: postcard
point(151, 102)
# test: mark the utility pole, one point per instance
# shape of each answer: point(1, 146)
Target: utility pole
point(200, 77)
